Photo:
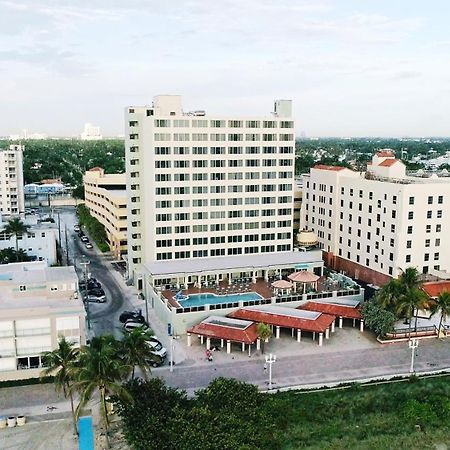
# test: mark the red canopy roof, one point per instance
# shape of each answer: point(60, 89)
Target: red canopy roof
point(348, 312)
point(282, 284)
point(434, 288)
point(318, 325)
point(247, 335)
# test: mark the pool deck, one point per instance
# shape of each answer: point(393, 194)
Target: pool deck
point(261, 287)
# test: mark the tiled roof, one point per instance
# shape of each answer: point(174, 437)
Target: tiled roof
point(434, 288)
point(95, 169)
point(389, 162)
point(347, 312)
point(286, 320)
point(247, 335)
point(385, 154)
point(327, 167)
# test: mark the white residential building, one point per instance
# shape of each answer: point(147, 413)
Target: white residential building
point(11, 180)
point(373, 224)
point(39, 242)
point(38, 304)
point(91, 133)
point(206, 186)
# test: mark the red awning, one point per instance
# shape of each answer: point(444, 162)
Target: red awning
point(247, 335)
point(285, 320)
point(348, 312)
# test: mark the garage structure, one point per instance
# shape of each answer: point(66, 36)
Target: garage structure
point(339, 311)
point(283, 317)
point(227, 330)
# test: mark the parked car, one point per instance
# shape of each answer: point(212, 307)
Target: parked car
point(96, 295)
point(156, 361)
point(129, 325)
point(157, 348)
point(76, 228)
point(88, 245)
point(92, 283)
point(84, 238)
point(95, 298)
point(126, 315)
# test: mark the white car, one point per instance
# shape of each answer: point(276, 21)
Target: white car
point(130, 325)
point(88, 245)
point(76, 228)
point(157, 347)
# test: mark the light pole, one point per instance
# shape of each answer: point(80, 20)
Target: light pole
point(172, 350)
point(270, 360)
point(413, 344)
point(85, 299)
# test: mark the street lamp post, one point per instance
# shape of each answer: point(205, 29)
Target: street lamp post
point(269, 361)
point(172, 350)
point(413, 344)
point(85, 300)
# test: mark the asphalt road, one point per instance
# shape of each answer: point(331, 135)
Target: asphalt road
point(102, 315)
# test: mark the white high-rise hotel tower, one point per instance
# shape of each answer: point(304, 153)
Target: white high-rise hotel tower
point(201, 186)
point(11, 181)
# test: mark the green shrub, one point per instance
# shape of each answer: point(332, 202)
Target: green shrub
point(95, 229)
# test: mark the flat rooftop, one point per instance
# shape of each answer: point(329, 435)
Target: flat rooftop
point(35, 272)
point(238, 263)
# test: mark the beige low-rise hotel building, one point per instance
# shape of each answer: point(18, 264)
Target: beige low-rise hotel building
point(106, 199)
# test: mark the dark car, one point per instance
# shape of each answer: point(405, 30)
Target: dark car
point(135, 315)
point(96, 291)
point(92, 283)
point(156, 361)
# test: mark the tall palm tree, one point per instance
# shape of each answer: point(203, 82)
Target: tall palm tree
point(442, 305)
point(135, 351)
point(264, 332)
point(410, 278)
point(61, 364)
point(409, 302)
point(17, 228)
point(101, 369)
point(388, 295)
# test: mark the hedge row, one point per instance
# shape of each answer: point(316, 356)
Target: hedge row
point(95, 229)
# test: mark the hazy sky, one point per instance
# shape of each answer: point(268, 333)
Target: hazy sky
point(352, 68)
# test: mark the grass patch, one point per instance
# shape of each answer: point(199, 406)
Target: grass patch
point(410, 415)
point(95, 229)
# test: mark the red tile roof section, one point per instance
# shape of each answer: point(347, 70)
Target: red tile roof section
point(326, 167)
point(347, 312)
point(95, 169)
point(318, 325)
point(385, 154)
point(389, 162)
point(248, 335)
point(434, 288)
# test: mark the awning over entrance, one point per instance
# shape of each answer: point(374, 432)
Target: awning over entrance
point(347, 312)
point(315, 322)
point(266, 261)
point(228, 329)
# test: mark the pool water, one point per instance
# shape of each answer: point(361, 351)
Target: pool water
point(213, 299)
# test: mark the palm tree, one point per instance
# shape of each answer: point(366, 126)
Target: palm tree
point(17, 228)
point(409, 302)
point(135, 351)
point(442, 304)
point(101, 369)
point(410, 278)
point(61, 364)
point(388, 295)
point(264, 332)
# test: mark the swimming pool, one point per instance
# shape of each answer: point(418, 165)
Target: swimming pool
point(213, 299)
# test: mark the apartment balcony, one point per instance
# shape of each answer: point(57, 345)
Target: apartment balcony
point(33, 332)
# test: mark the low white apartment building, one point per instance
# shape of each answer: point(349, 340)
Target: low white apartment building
point(373, 224)
point(39, 242)
point(37, 305)
point(11, 180)
point(204, 186)
point(106, 198)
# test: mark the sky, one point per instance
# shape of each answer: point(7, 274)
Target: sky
point(352, 68)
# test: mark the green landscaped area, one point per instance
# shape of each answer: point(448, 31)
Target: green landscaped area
point(95, 229)
point(407, 415)
point(228, 414)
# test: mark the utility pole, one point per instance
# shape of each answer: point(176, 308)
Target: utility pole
point(172, 350)
point(269, 361)
point(67, 244)
point(85, 300)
